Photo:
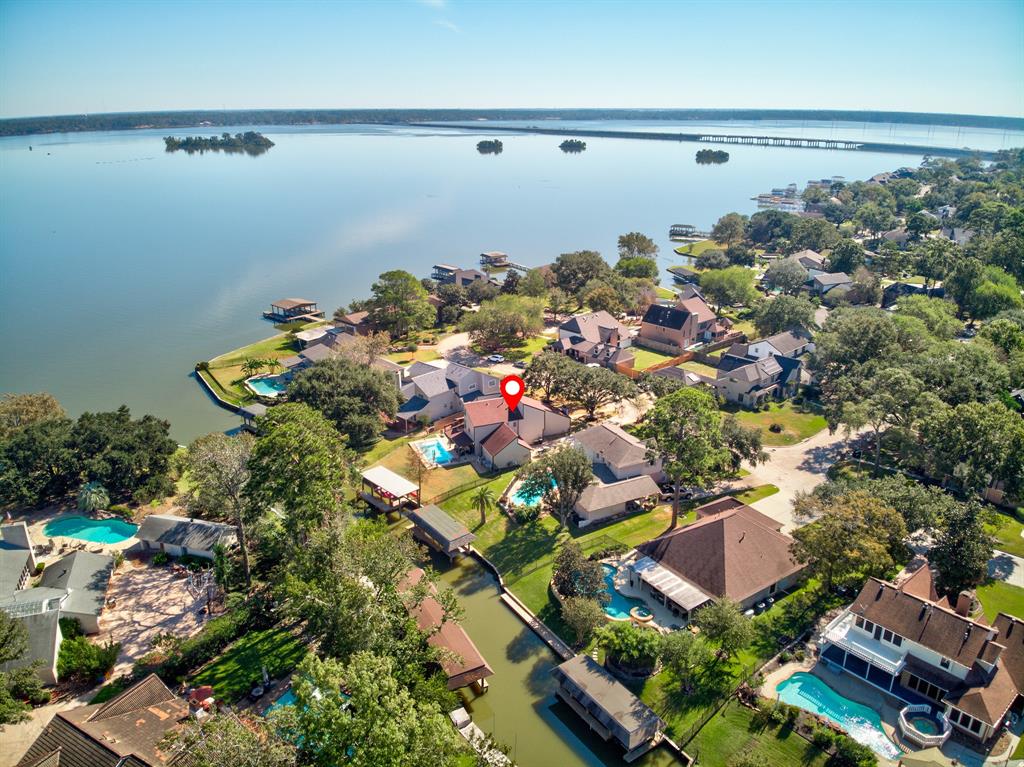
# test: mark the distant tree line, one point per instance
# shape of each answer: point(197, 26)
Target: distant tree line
point(250, 142)
point(711, 157)
point(219, 118)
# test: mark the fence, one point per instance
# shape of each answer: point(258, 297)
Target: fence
point(483, 479)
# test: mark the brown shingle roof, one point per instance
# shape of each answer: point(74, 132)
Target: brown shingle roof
point(920, 620)
point(735, 553)
point(484, 412)
point(499, 439)
point(985, 696)
point(293, 303)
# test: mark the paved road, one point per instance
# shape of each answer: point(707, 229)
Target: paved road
point(793, 469)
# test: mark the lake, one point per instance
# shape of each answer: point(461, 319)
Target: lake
point(122, 266)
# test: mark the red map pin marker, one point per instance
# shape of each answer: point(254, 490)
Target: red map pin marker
point(512, 389)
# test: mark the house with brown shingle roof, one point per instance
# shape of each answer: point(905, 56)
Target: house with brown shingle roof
point(731, 551)
point(900, 638)
point(126, 731)
point(532, 422)
point(595, 338)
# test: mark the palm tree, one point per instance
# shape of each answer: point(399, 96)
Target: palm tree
point(92, 496)
point(483, 499)
point(252, 366)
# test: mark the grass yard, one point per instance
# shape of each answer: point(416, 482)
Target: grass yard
point(700, 368)
point(225, 373)
point(731, 733)
point(1006, 529)
point(386, 446)
point(740, 321)
point(403, 460)
point(645, 358)
point(696, 248)
point(665, 293)
point(528, 348)
point(798, 422)
point(1000, 597)
point(238, 669)
point(755, 494)
point(422, 354)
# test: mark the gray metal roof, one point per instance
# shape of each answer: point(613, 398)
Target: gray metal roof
point(12, 566)
point(85, 576)
point(441, 527)
point(196, 534)
point(611, 696)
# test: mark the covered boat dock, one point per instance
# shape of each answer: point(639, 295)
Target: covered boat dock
point(439, 530)
point(387, 491)
point(291, 309)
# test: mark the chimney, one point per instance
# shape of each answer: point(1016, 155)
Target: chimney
point(964, 602)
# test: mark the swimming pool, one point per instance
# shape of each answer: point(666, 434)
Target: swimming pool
point(619, 606)
point(269, 386)
point(92, 530)
point(522, 498)
point(434, 450)
point(288, 699)
point(860, 722)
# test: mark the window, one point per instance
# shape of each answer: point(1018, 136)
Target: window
point(975, 726)
point(859, 622)
point(887, 635)
point(897, 640)
point(944, 662)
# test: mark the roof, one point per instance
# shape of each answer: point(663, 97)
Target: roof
point(12, 566)
point(610, 695)
point(486, 412)
point(432, 384)
point(678, 589)
point(809, 259)
point(754, 372)
point(614, 446)
point(312, 334)
point(463, 664)
point(292, 303)
point(597, 497)
point(832, 278)
point(920, 620)
point(128, 727)
point(85, 576)
point(412, 406)
point(595, 327)
point(42, 630)
point(499, 439)
point(441, 527)
point(679, 374)
point(253, 410)
point(355, 318)
point(317, 352)
point(196, 534)
point(788, 341)
point(387, 480)
point(666, 316)
point(735, 553)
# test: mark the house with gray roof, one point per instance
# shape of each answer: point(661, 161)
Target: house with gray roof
point(44, 638)
point(821, 284)
point(595, 338)
point(85, 577)
point(751, 382)
point(438, 389)
point(179, 536)
point(600, 502)
point(616, 454)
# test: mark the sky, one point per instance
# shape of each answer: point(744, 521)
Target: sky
point(106, 56)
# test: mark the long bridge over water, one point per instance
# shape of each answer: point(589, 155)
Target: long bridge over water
point(721, 138)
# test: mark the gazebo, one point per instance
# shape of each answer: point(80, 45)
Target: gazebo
point(439, 530)
point(387, 491)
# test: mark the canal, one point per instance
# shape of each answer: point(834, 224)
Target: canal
point(520, 709)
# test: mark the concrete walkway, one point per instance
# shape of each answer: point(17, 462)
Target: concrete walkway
point(1007, 568)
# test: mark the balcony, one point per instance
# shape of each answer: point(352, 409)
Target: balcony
point(844, 634)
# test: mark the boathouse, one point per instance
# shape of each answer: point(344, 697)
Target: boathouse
point(291, 309)
point(440, 531)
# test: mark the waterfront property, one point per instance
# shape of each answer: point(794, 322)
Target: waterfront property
point(267, 385)
point(125, 730)
point(601, 502)
point(596, 338)
point(860, 722)
point(436, 451)
point(674, 328)
point(901, 638)
point(438, 389)
point(462, 661)
point(182, 536)
point(532, 422)
point(731, 551)
point(607, 706)
point(292, 309)
point(84, 577)
point(437, 529)
point(387, 491)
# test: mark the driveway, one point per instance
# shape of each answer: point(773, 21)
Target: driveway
point(1007, 568)
point(795, 468)
point(148, 601)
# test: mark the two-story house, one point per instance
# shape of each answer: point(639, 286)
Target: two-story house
point(435, 390)
point(901, 638)
point(531, 422)
point(674, 328)
point(751, 382)
point(595, 338)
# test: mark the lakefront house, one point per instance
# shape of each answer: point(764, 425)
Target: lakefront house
point(674, 328)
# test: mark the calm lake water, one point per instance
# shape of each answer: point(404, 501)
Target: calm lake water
point(122, 266)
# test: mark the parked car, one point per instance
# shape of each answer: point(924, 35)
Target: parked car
point(521, 365)
point(496, 359)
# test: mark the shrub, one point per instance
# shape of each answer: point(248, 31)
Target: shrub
point(823, 738)
point(850, 753)
point(161, 558)
point(118, 559)
point(800, 655)
point(87, 662)
point(39, 568)
point(785, 657)
point(411, 347)
point(775, 428)
point(202, 366)
point(524, 514)
point(610, 551)
point(792, 713)
point(70, 628)
point(122, 510)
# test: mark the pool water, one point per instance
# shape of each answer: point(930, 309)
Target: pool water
point(434, 450)
point(619, 605)
point(924, 725)
point(268, 387)
point(92, 530)
point(522, 498)
point(861, 723)
point(288, 699)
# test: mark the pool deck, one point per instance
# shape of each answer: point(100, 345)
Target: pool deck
point(663, 617)
point(62, 545)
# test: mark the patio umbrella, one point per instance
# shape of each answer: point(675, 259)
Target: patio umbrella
point(929, 757)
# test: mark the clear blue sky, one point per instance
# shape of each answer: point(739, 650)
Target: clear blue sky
point(72, 57)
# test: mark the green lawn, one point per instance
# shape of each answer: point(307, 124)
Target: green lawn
point(755, 494)
point(665, 293)
point(999, 597)
point(798, 422)
point(645, 358)
point(225, 373)
point(700, 368)
point(238, 669)
point(435, 481)
point(1006, 529)
point(422, 354)
point(731, 733)
point(696, 248)
point(385, 447)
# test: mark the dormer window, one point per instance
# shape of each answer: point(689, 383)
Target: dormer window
point(944, 662)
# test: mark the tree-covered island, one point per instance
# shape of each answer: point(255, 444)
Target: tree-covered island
point(250, 142)
point(490, 147)
point(711, 157)
point(573, 146)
